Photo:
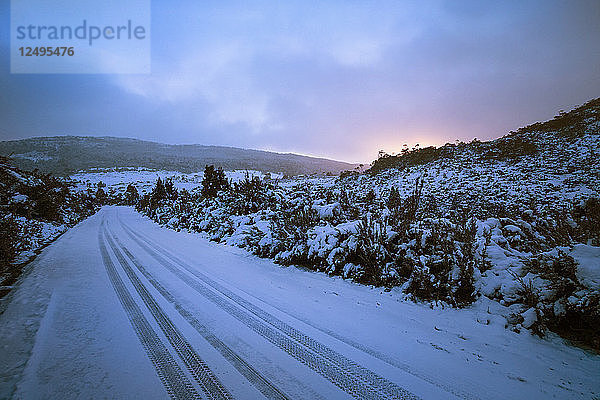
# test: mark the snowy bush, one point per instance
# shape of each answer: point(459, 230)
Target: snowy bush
point(9, 230)
point(587, 216)
point(35, 208)
point(446, 233)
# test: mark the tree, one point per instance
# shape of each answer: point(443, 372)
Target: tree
point(100, 193)
point(132, 195)
point(170, 189)
point(214, 181)
point(394, 199)
point(159, 192)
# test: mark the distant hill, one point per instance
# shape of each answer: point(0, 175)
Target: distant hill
point(63, 155)
point(547, 167)
point(567, 137)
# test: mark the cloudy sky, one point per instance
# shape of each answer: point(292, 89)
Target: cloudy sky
point(341, 79)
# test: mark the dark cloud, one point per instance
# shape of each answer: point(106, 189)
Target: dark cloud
point(336, 79)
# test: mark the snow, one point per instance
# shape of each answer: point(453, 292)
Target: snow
point(349, 269)
point(513, 229)
point(33, 156)
point(529, 318)
point(518, 206)
point(117, 179)
point(69, 337)
point(588, 270)
point(19, 198)
point(144, 179)
point(327, 211)
point(347, 227)
point(20, 178)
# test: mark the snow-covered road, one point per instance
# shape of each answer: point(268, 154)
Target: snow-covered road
point(121, 308)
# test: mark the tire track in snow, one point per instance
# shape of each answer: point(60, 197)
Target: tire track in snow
point(171, 376)
point(207, 380)
point(335, 367)
point(383, 357)
point(326, 369)
point(269, 390)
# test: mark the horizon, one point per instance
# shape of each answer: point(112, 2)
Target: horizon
point(287, 152)
point(177, 144)
point(338, 80)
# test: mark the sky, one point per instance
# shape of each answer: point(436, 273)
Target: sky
point(337, 79)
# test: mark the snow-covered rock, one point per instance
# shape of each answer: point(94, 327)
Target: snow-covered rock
point(588, 268)
point(529, 318)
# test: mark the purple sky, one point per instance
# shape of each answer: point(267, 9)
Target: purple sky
point(335, 79)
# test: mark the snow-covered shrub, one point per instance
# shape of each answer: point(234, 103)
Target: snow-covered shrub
point(464, 292)
point(440, 261)
point(403, 212)
point(587, 216)
point(214, 181)
point(345, 197)
point(561, 298)
point(372, 251)
point(560, 269)
point(9, 230)
point(34, 209)
point(249, 195)
point(482, 260)
point(132, 195)
point(40, 196)
point(292, 228)
point(498, 219)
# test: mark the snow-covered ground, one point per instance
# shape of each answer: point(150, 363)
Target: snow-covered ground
point(120, 307)
point(117, 179)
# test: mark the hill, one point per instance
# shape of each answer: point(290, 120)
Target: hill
point(509, 227)
point(64, 155)
point(563, 137)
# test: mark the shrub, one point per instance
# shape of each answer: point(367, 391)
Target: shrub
point(214, 180)
point(587, 216)
point(560, 270)
point(404, 212)
point(249, 196)
point(46, 197)
point(348, 174)
point(9, 233)
point(408, 158)
point(372, 251)
point(563, 306)
point(132, 195)
point(510, 147)
point(464, 293)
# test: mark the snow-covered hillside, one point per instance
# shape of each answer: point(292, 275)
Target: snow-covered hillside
point(65, 155)
point(34, 210)
point(514, 220)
